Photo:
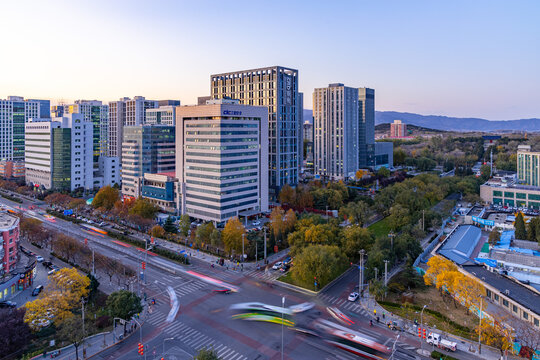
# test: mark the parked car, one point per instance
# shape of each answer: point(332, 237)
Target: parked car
point(37, 290)
point(285, 268)
point(256, 223)
point(47, 264)
point(8, 304)
point(353, 296)
point(53, 270)
point(287, 261)
point(277, 265)
point(39, 258)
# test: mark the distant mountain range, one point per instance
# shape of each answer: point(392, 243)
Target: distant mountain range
point(451, 123)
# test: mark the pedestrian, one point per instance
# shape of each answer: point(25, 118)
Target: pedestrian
point(375, 312)
point(242, 267)
point(383, 315)
point(377, 319)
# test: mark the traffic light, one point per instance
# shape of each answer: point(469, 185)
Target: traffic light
point(424, 333)
point(141, 349)
point(152, 240)
point(419, 332)
point(143, 265)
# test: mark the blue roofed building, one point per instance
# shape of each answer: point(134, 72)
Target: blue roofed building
point(460, 246)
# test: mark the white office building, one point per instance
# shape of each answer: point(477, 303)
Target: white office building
point(15, 112)
point(65, 146)
point(222, 159)
point(163, 115)
point(38, 152)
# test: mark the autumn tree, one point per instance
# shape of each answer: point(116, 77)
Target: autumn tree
point(287, 195)
point(106, 197)
point(277, 227)
point(355, 212)
point(232, 235)
point(353, 239)
point(304, 199)
point(494, 237)
point(494, 335)
point(468, 289)
point(32, 229)
point(66, 246)
point(157, 231)
point(77, 204)
point(322, 263)
point(521, 232)
point(437, 265)
point(14, 332)
point(144, 209)
point(124, 304)
point(63, 293)
point(202, 236)
point(289, 221)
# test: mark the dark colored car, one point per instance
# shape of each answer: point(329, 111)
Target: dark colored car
point(8, 304)
point(47, 264)
point(287, 261)
point(37, 290)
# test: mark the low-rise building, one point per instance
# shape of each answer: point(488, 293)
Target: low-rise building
point(161, 190)
point(9, 241)
point(509, 193)
point(11, 169)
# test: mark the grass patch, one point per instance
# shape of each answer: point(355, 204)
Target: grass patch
point(439, 356)
point(380, 228)
point(287, 278)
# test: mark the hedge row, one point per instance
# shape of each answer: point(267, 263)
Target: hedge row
point(436, 314)
point(441, 356)
point(60, 215)
point(12, 198)
point(158, 250)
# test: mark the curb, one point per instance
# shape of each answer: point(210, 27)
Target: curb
point(296, 288)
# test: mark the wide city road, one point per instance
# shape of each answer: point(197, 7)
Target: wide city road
point(204, 318)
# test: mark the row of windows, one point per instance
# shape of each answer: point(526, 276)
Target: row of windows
point(221, 170)
point(211, 177)
point(220, 200)
point(216, 162)
point(221, 125)
point(222, 133)
point(220, 140)
point(233, 147)
point(215, 192)
point(220, 186)
point(249, 153)
point(225, 207)
point(518, 195)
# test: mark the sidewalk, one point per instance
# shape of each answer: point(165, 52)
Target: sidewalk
point(465, 345)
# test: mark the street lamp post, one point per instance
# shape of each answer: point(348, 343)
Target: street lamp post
point(480, 326)
point(361, 274)
point(391, 235)
point(422, 328)
point(282, 307)
point(167, 339)
point(243, 235)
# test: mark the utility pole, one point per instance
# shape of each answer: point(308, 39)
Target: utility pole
point(423, 219)
point(243, 247)
point(386, 272)
point(282, 307)
point(256, 246)
point(391, 235)
point(361, 271)
point(480, 327)
point(265, 246)
point(93, 268)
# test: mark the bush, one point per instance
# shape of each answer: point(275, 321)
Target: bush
point(12, 198)
point(438, 355)
point(60, 215)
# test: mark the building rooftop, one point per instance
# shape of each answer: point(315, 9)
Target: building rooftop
point(460, 245)
point(523, 295)
point(8, 222)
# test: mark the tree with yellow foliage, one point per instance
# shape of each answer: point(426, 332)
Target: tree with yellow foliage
point(495, 335)
point(469, 290)
point(277, 226)
point(436, 265)
point(63, 293)
point(232, 235)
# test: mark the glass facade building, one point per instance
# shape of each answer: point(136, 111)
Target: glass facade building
point(528, 169)
point(61, 158)
point(275, 88)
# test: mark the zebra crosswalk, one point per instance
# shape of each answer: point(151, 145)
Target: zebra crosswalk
point(196, 340)
point(269, 275)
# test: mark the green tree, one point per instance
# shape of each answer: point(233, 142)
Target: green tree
point(106, 197)
point(71, 331)
point(215, 238)
point(485, 172)
point(204, 232)
point(169, 226)
point(355, 212)
point(206, 354)
point(321, 263)
point(399, 216)
point(144, 209)
point(232, 235)
point(521, 232)
point(353, 239)
point(384, 172)
point(93, 287)
point(123, 304)
point(399, 156)
point(185, 224)
point(494, 237)
point(533, 229)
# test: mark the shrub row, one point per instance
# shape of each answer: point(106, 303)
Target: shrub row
point(12, 198)
point(438, 355)
point(158, 250)
point(436, 314)
point(60, 215)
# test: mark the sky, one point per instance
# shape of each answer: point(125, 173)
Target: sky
point(456, 58)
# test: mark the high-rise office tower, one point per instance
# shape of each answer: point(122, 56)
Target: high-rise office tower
point(366, 103)
point(336, 123)
point(221, 159)
point(126, 112)
point(14, 113)
point(276, 88)
point(145, 149)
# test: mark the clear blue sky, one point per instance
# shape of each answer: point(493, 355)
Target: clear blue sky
point(458, 58)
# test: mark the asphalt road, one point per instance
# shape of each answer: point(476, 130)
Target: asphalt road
point(205, 321)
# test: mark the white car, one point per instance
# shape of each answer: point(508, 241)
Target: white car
point(256, 223)
point(353, 296)
point(277, 265)
point(39, 258)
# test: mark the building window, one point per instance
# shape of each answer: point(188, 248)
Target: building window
point(525, 315)
point(514, 308)
point(536, 322)
point(488, 293)
point(505, 302)
point(496, 297)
